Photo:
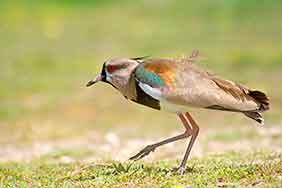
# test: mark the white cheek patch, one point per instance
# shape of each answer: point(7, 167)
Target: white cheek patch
point(108, 77)
point(153, 92)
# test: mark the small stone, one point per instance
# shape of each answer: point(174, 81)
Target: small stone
point(66, 159)
point(112, 139)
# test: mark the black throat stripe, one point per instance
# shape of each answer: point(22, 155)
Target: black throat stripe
point(145, 99)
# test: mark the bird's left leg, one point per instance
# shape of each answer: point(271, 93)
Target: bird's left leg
point(195, 132)
point(148, 149)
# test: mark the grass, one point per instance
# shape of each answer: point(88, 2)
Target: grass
point(48, 51)
point(262, 169)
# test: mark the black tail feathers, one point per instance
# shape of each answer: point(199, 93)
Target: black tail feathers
point(261, 98)
point(263, 102)
point(255, 116)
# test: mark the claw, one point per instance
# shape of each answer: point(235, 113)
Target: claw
point(144, 152)
point(180, 170)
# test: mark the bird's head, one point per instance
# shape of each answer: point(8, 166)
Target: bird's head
point(116, 72)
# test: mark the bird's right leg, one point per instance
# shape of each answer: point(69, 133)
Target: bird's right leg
point(148, 149)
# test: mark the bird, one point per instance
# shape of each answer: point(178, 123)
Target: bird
point(178, 85)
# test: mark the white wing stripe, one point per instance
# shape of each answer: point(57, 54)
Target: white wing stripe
point(153, 92)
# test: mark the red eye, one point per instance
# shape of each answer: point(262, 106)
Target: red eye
point(111, 68)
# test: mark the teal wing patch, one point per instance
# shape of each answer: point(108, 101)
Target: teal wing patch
point(148, 77)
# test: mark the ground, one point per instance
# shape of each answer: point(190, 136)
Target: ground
point(55, 132)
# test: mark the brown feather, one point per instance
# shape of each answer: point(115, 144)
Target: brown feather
point(163, 68)
point(236, 90)
point(261, 98)
point(242, 93)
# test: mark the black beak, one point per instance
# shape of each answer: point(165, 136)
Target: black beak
point(95, 80)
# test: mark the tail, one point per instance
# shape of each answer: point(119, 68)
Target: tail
point(261, 99)
point(255, 116)
point(263, 102)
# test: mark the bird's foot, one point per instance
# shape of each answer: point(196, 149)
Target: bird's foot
point(180, 170)
point(144, 152)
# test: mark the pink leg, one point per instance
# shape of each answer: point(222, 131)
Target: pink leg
point(195, 132)
point(148, 149)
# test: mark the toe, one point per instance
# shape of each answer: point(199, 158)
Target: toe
point(179, 170)
point(144, 152)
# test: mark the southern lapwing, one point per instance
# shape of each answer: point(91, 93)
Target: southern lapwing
point(178, 85)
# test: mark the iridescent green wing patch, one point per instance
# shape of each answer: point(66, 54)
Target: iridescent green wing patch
point(148, 77)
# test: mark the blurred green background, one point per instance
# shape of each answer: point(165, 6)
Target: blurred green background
point(50, 49)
